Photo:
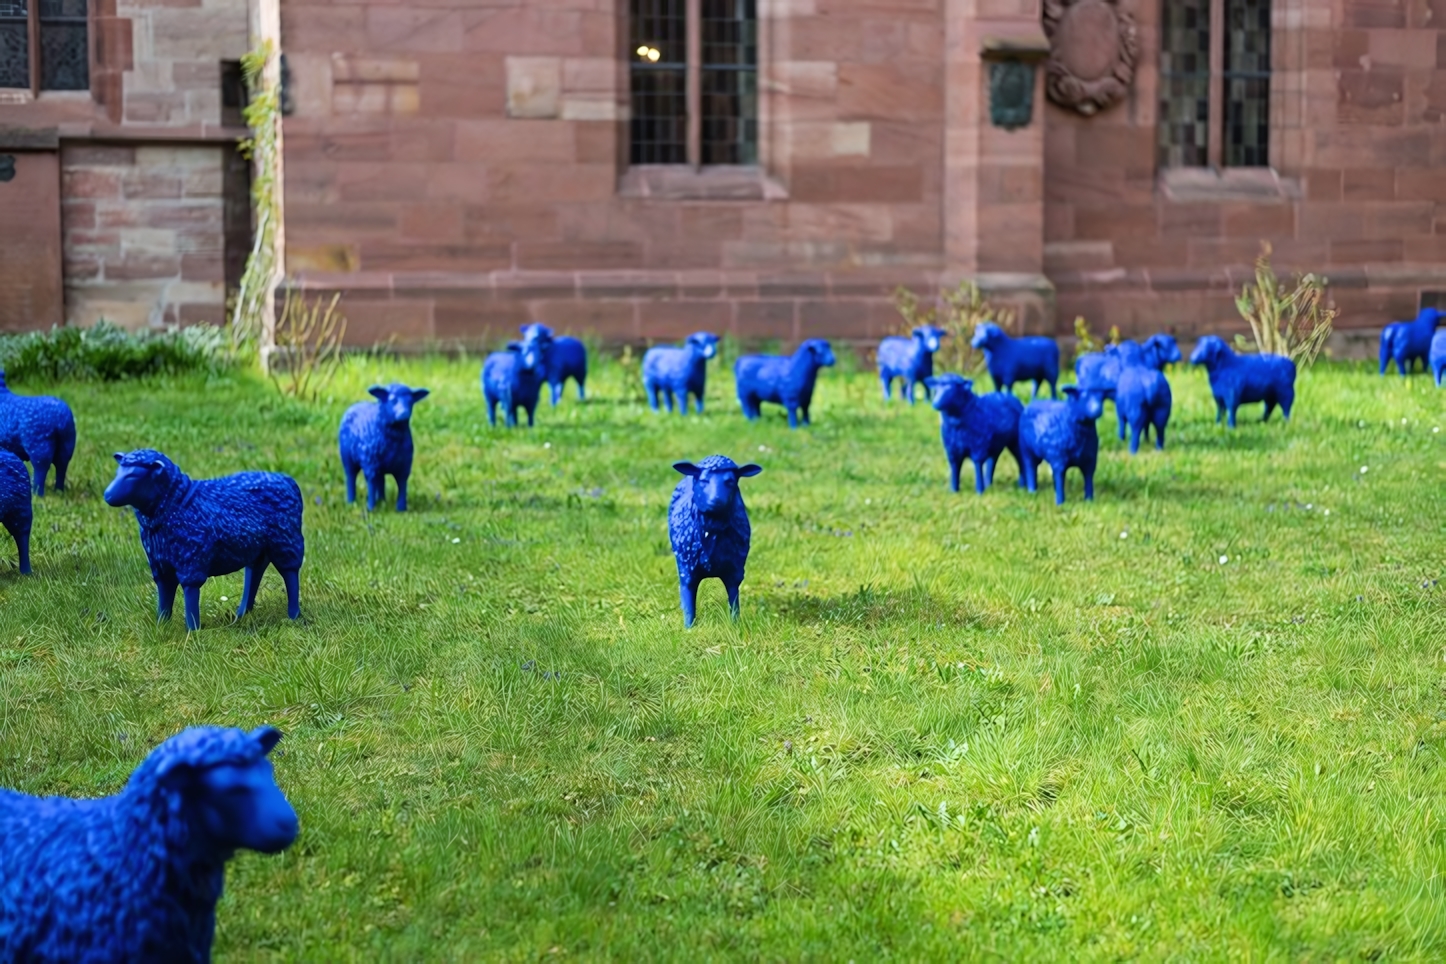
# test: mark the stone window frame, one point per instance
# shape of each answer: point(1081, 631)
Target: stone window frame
point(36, 89)
point(694, 180)
point(1216, 102)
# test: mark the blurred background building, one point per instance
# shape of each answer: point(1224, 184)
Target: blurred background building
point(772, 168)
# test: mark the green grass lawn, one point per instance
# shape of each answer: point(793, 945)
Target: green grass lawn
point(1201, 718)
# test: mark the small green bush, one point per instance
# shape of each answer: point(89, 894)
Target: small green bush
point(109, 353)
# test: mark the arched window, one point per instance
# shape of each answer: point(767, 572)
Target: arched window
point(44, 45)
point(1214, 83)
point(694, 77)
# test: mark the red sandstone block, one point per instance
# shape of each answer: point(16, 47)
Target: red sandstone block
point(473, 258)
point(203, 267)
point(578, 255)
point(527, 285)
point(844, 320)
point(350, 221)
point(892, 91)
point(711, 221)
point(1358, 252)
point(1190, 220)
point(77, 215)
point(1379, 147)
point(507, 141)
point(1421, 184)
point(857, 184)
point(521, 30)
point(97, 155)
point(1374, 13)
point(674, 320)
point(1350, 49)
point(596, 142)
point(1219, 252)
point(465, 184)
point(317, 28)
point(137, 266)
point(1400, 219)
point(609, 320)
point(1370, 96)
point(477, 320)
point(139, 185)
point(1331, 220)
point(1259, 220)
point(519, 221)
point(618, 285)
point(558, 183)
point(1115, 147)
point(431, 222)
point(417, 140)
point(80, 268)
point(1369, 184)
point(373, 322)
point(200, 313)
point(1010, 184)
point(1324, 184)
point(114, 43)
point(374, 183)
point(91, 182)
point(1149, 252)
point(1113, 222)
point(757, 320)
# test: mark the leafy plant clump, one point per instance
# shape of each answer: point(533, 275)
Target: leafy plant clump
point(1295, 321)
point(308, 344)
point(958, 312)
point(107, 352)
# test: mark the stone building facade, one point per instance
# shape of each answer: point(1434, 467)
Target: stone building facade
point(771, 168)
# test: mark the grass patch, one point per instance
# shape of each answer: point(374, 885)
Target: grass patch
point(946, 726)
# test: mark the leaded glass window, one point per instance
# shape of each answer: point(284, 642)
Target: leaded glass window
point(63, 49)
point(14, 44)
point(694, 74)
point(1214, 107)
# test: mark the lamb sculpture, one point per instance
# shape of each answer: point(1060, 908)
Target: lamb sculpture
point(136, 876)
point(1237, 380)
point(975, 427)
point(562, 358)
point(911, 360)
point(512, 379)
point(783, 381)
point(708, 526)
point(1010, 360)
point(673, 373)
point(1437, 358)
point(1063, 434)
point(41, 430)
point(193, 529)
point(15, 505)
point(1405, 342)
point(376, 440)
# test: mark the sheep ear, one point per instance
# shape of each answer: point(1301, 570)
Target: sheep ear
point(267, 736)
point(1070, 391)
point(514, 346)
point(118, 457)
point(420, 393)
point(749, 470)
point(378, 392)
point(968, 383)
point(688, 468)
point(931, 383)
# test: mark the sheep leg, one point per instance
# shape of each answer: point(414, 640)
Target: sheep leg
point(1059, 472)
point(292, 580)
point(1089, 480)
point(20, 532)
point(1230, 420)
point(250, 585)
point(989, 464)
point(192, 597)
point(401, 491)
point(1052, 393)
point(909, 387)
point(888, 388)
point(688, 596)
point(491, 420)
point(1029, 472)
point(376, 489)
point(652, 395)
point(349, 470)
point(1120, 421)
point(557, 391)
point(581, 396)
point(732, 588)
point(792, 416)
point(531, 412)
point(1135, 438)
point(1219, 410)
point(698, 399)
point(40, 456)
point(1269, 407)
point(1287, 402)
point(1160, 435)
point(165, 596)
point(954, 467)
point(978, 477)
point(63, 452)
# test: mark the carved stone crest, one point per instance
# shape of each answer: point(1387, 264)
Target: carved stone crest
point(1094, 45)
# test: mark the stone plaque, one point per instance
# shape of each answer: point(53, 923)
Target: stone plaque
point(1094, 46)
point(1011, 93)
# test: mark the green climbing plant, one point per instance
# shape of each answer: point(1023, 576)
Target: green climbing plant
point(263, 117)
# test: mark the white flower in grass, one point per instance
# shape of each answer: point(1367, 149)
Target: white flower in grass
point(1224, 560)
point(1365, 469)
point(225, 598)
point(456, 541)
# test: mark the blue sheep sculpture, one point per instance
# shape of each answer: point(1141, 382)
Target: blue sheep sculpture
point(15, 506)
point(976, 427)
point(708, 526)
point(562, 358)
point(1438, 356)
point(41, 430)
point(376, 440)
point(786, 381)
point(1143, 399)
point(1405, 342)
point(136, 876)
point(673, 373)
point(1010, 360)
point(911, 360)
point(512, 379)
point(1237, 380)
point(193, 529)
point(1063, 434)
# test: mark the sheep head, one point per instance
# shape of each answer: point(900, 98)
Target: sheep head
point(142, 479)
point(950, 392)
point(537, 334)
point(821, 351)
point(396, 401)
point(986, 334)
point(715, 484)
point(529, 354)
point(929, 336)
point(1087, 404)
point(705, 341)
point(1208, 350)
point(1165, 348)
